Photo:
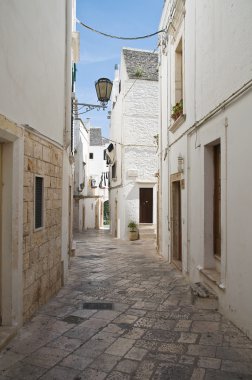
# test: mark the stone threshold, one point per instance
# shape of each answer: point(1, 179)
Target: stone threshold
point(213, 276)
point(177, 264)
point(6, 334)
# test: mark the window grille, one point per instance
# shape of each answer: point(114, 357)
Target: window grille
point(39, 181)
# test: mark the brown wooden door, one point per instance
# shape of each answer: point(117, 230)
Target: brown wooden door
point(217, 200)
point(146, 205)
point(176, 226)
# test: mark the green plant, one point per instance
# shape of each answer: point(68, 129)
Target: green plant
point(132, 226)
point(139, 72)
point(177, 110)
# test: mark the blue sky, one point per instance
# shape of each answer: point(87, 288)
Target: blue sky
point(98, 54)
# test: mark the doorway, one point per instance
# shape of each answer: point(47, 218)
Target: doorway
point(176, 225)
point(217, 201)
point(146, 205)
point(115, 222)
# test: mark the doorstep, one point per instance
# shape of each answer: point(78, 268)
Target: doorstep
point(6, 334)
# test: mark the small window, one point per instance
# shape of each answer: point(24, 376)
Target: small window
point(114, 171)
point(91, 156)
point(179, 72)
point(93, 183)
point(39, 200)
point(104, 155)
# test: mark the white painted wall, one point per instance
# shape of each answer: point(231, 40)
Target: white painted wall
point(97, 166)
point(134, 123)
point(32, 61)
point(217, 63)
point(35, 77)
point(89, 201)
point(81, 171)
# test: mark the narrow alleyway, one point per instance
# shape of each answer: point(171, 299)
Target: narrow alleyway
point(125, 314)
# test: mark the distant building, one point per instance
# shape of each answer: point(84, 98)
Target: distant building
point(91, 177)
point(35, 149)
point(205, 148)
point(133, 136)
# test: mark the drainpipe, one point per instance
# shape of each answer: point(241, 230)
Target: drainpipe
point(68, 75)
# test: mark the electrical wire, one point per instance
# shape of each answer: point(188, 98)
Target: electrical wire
point(118, 37)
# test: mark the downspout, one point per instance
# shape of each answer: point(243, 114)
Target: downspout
point(68, 76)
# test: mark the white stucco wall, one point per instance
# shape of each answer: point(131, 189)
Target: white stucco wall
point(81, 172)
point(32, 61)
point(134, 123)
point(217, 63)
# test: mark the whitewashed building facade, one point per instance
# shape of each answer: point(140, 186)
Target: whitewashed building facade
point(91, 177)
point(35, 135)
point(205, 144)
point(133, 136)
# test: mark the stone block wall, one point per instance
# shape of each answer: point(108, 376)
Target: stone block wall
point(41, 248)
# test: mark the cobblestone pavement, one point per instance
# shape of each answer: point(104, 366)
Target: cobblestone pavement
point(144, 326)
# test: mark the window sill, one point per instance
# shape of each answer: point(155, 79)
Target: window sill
point(177, 123)
point(213, 276)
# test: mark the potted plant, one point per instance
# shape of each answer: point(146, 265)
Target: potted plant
point(177, 110)
point(133, 230)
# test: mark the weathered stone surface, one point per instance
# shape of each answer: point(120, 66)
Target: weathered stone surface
point(105, 362)
point(200, 350)
point(209, 363)
point(120, 347)
point(127, 366)
point(172, 371)
point(65, 341)
point(43, 159)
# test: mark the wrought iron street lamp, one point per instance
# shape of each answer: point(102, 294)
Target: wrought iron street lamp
point(103, 88)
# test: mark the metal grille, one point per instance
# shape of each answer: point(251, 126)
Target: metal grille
point(38, 202)
point(98, 306)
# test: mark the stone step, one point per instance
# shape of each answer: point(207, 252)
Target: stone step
point(204, 297)
point(146, 226)
point(147, 236)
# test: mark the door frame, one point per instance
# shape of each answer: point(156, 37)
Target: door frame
point(152, 214)
point(11, 243)
point(176, 256)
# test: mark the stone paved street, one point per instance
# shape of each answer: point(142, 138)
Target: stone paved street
point(125, 314)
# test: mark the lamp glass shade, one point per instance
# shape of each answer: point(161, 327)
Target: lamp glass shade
point(103, 89)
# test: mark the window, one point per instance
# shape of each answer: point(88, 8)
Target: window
point(39, 200)
point(179, 73)
point(177, 109)
point(91, 156)
point(93, 183)
point(114, 171)
point(104, 155)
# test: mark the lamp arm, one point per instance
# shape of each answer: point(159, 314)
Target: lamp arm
point(89, 107)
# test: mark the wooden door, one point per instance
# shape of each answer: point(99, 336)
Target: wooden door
point(146, 205)
point(176, 226)
point(217, 201)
